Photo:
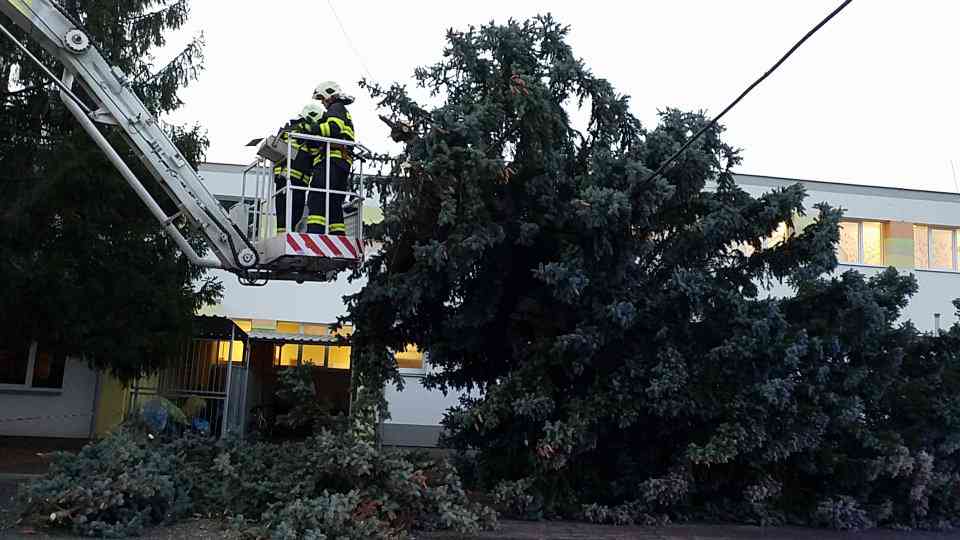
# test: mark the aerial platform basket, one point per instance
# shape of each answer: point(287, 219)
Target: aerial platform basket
point(294, 253)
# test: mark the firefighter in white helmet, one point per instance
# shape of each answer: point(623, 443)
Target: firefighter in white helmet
point(335, 123)
point(300, 167)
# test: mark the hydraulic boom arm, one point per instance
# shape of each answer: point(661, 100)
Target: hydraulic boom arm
point(48, 25)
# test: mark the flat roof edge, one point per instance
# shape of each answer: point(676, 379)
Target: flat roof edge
point(845, 184)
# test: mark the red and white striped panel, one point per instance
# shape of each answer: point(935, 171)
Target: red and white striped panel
point(324, 245)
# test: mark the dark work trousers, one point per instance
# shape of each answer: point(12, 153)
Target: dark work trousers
point(280, 201)
point(339, 180)
point(300, 171)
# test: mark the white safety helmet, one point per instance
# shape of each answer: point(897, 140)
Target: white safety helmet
point(330, 89)
point(327, 89)
point(312, 112)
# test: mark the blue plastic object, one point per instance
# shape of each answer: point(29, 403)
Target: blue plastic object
point(155, 415)
point(202, 426)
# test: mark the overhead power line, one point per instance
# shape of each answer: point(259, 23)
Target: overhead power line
point(716, 119)
point(346, 36)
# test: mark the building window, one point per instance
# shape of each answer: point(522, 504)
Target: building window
point(13, 363)
point(328, 356)
point(410, 358)
point(48, 368)
point(934, 248)
point(861, 242)
point(31, 365)
point(224, 353)
point(314, 354)
point(316, 329)
point(339, 357)
point(777, 237)
point(287, 327)
point(941, 249)
point(286, 354)
point(244, 324)
point(871, 242)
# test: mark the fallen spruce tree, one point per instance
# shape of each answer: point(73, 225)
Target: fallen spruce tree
point(327, 486)
point(626, 361)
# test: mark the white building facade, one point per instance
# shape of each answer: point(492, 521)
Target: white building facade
point(911, 230)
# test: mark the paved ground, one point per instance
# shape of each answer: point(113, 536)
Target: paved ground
point(510, 530)
point(520, 530)
point(31, 455)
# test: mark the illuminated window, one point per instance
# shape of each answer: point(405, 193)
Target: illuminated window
point(941, 249)
point(778, 236)
point(314, 354)
point(861, 242)
point(410, 358)
point(286, 354)
point(288, 327)
point(849, 247)
point(934, 248)
point(921, 244)
point(345, 330)
point(316, 329)
point(872, 233)
point(223, 351)
point(31, 365)
point(244, 324)
point(339, 358)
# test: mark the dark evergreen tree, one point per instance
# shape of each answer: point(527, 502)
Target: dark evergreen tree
point(616, 329)
point(85, 268)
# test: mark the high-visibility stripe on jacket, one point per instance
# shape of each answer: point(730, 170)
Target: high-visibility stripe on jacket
point(300, 125)
point(302, 165)
point(336, 123)
point(281, 170)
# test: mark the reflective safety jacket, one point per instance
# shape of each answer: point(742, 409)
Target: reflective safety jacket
point(336, 123)
point(307, 150)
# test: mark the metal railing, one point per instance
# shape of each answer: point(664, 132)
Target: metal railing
point(261, 210)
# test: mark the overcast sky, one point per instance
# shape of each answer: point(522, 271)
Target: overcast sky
point(873, 98)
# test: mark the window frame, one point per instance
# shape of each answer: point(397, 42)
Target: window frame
point(27, 385)
point(860, 248)
point(327, 344)
point(416, 372)
point(954, 259)
point(325, 364)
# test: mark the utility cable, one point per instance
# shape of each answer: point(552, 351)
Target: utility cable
point(716, 119)
point(346, 36)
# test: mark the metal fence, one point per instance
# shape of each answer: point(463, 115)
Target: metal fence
point(209, 379)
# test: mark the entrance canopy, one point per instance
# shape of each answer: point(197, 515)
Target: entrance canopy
point(290, 337)
point(214, 327)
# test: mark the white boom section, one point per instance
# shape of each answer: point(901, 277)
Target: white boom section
point(44, 21)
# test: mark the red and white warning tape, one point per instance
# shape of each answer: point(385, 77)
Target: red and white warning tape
point(324, 245)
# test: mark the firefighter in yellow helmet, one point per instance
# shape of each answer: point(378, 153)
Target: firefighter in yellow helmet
point(300, 166)
point(335, 123)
